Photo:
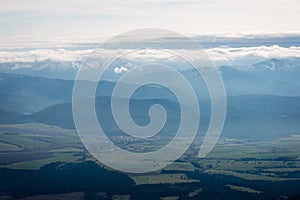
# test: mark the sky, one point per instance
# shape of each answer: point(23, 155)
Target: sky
point(54, 21)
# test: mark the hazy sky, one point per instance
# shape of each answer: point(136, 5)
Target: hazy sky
point(24, 21)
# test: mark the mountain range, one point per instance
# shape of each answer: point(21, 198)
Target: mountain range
point(264, 96)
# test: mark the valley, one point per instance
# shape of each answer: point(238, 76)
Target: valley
point(247, 168)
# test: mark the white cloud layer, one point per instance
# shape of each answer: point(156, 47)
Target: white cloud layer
point(59, 55)
point(275, 51)
point(24, 58)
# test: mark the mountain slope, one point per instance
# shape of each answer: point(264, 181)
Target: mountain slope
point(248, 116)
point(9, 116)
point(27, 94)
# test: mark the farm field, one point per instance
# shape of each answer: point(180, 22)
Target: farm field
point(239, 166)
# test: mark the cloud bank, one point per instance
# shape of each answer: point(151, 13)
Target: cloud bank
point(25, 58)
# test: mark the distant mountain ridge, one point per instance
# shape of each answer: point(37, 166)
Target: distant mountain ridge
point(265, 96)
point(27, 94)
point(276, 64)
point(248, 116)
point(271, 77)
point(67, 70)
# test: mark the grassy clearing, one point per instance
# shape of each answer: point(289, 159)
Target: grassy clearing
point(62, 140)
point(252, 165)
point(121, 197)
point(67, 150)
point(162, 179)
point(34, 135)
point(73, 196)
point(228, 164)
point(243, 189)
point(195, 192)
point(43, 128)
point(236, 152)
point(248, 176)
point(282, 169)
point(36, 164)
point(181, 166)
point(170, 198)
point(21, 141)
point(6, 147)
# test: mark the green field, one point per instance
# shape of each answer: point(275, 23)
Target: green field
point(244, 189)
point(6, 147)
point(180, 166)
point(22, 141)
point(36, 164)
point(52, 144)
point(249, 160)
point(161, 179)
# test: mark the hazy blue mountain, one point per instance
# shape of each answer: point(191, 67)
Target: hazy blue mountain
point(49, 101)
point(52, 98)
point(262, 116)
point(47, 69)
point(271, 77)
point(276, 64)
point(248, 116)
point(28, 94)
point(9, 116)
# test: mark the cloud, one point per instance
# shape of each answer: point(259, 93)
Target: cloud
point(121, 69)
point(59, 55)
point(274, 51)
point(25, 59)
